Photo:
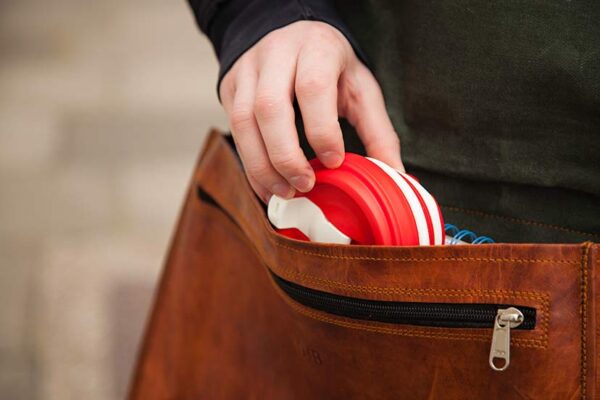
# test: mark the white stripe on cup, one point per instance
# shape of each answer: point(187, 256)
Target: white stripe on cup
point(411, 197)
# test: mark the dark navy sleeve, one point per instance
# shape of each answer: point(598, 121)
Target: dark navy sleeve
point(233, 26)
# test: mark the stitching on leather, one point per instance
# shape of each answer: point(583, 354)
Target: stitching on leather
point(519, 220)
point(531, 295)
point(545, 320)
point(410, 259)
point(544, 298)
point(541, 343)
point(411, 332)
point(244, 186)
point(276, 241)
point(518, 342)
point(584, 288)
point(448, 293)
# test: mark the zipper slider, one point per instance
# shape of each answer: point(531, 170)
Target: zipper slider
point(500, 350)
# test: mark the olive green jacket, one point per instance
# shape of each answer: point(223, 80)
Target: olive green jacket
point(497, 105)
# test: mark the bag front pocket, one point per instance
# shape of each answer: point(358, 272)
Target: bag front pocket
point(429, 313)
point(501, 317)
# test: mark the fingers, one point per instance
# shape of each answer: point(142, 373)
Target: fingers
point(313, 62)
point(365, 109)
point(316, 89)
point(263, 178)
point(275, 116)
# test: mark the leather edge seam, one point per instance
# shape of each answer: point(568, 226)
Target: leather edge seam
point(584, 317)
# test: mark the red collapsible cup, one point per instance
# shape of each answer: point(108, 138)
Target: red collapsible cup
point(364, 201)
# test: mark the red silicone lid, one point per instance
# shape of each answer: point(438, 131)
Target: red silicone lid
point(363, 202)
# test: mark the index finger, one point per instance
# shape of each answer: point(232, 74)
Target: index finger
point(275, 116)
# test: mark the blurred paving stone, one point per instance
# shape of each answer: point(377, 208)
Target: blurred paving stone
point(130, 300)
point(17, 368)
point(79, 277)
point(123, 56)
point(29, 139)
point(15, 299)
point(107, 139)
point(67, 200)
point(137, 189)
point(101, 103)
point(17, 380)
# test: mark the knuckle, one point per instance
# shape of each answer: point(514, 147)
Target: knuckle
point(323, 135)
point(261, 171)
point(241, 118)
point(329, 38)
point(312, 83)
point(323, 32)
point(270, 42)
point(285, 161)
point(355, 96)
point(267, 106)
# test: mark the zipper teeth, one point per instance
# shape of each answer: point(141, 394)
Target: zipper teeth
point(466, 315)
point(453, 315)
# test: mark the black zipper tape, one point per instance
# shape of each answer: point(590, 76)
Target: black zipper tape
point(446, 315)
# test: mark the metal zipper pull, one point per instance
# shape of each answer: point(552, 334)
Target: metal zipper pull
point(500, 350)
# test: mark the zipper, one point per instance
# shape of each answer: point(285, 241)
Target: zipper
point(501, 317)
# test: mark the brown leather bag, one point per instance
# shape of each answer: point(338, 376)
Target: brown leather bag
point(243, 312)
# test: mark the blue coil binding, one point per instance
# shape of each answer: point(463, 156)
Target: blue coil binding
point(465, 235)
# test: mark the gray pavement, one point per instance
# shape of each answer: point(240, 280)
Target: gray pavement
point(103, 109)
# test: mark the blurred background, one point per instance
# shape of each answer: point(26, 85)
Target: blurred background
point(103, 110)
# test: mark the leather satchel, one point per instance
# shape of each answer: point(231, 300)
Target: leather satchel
point(245, 313)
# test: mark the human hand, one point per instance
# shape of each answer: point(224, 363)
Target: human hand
point(313, 62)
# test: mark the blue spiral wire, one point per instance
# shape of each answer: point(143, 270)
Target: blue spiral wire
point(465, 235)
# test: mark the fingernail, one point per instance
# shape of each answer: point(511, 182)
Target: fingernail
point(303, 183)
point(282, 190)
point(331, 159)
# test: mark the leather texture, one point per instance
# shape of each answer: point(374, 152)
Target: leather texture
point(221, 329)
